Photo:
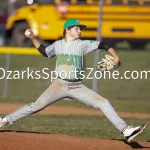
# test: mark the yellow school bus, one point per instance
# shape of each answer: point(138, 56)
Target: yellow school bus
point(121, 20)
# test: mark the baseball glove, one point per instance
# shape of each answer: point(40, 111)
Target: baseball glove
point(107, 64)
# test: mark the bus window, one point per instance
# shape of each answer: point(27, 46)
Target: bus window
point(147, 3)
point(45, 1)
point(81, 2)
point(127, 2)
point(135, 2)
point(117, 2)
point(75, 1)
point(67, 1)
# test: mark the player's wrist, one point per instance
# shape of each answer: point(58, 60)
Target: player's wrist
point(32, 38)
point(116, 60)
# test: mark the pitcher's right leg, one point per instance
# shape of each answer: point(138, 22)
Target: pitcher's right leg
point(89, 97)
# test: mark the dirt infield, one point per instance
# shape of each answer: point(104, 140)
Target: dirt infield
point(33, 141)
point(6, 108)
point(10, 140)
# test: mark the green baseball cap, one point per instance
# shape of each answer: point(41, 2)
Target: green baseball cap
point(73, 22)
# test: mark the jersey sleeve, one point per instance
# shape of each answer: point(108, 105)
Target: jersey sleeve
point(89, 46)
point(50, 50)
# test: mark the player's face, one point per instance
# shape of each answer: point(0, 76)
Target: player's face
point(75, 32)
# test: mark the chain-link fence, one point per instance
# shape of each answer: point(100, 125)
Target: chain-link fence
point(125, 23)
point(125, 26)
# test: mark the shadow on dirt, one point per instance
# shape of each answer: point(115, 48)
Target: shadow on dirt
point(134, 144)
point(23, 132)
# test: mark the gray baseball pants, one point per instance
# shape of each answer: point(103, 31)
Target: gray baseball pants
point(75, 90)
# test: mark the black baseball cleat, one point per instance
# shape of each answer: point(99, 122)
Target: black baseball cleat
point(131, 132)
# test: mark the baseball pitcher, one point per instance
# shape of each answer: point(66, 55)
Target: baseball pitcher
point(69, 52)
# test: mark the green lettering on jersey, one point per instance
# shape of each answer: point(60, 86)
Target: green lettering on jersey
point(91, 41)
point(80, 61)
point(76, 60)
point(72, 60)
point(65, 59)
point(57, 61)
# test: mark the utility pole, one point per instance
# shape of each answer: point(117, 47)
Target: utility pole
point(97, 53)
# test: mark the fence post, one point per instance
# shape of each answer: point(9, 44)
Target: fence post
point(5, 90)
point(97, 53)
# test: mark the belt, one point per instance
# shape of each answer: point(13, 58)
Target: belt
point(71, 80)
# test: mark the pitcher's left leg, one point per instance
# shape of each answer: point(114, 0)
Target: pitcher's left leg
point(89, 97)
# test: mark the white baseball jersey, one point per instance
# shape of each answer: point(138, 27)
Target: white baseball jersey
point(70, 56)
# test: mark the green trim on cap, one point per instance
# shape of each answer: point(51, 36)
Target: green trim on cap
point(73, 22)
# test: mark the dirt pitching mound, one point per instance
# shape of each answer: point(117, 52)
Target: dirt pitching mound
point(35, 141)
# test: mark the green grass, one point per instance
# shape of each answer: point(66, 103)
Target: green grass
point(76, 125)
point(119, 105)
point(109, 88)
